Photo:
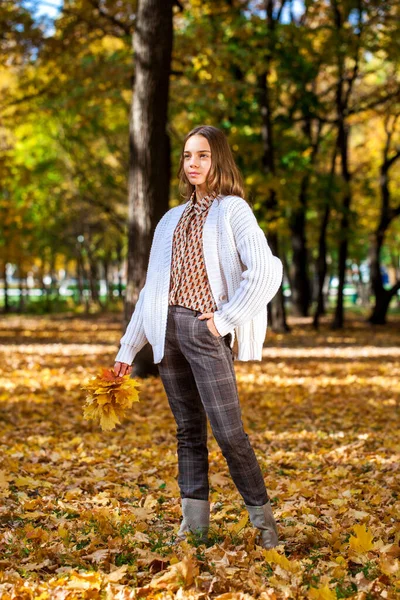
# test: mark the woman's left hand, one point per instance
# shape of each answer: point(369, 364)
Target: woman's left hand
point(210, 323)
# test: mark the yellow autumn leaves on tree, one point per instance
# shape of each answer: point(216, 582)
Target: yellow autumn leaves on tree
point(109, 396)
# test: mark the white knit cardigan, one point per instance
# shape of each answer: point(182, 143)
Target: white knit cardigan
point(243, 273)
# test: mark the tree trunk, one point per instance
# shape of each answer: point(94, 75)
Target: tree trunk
point(83, 278)
point(383, 296)
point(342, 100)
point(395, 265)
point(79, 276)
point(382, 302)
point(344, 226)
point(321, 267)
point(119, 267)
point(94, 279)
point(6, 308)
point(301, 292)
point(362, 288)
point(149, 167)
point(54, 287)
point(108, 283)
point(21, 303)
point(277, 307)
point(322, 246)
point(46, 291)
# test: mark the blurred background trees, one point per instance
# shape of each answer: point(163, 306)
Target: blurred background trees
point(306, 91)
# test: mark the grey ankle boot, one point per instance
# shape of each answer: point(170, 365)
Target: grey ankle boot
point(196, 518)
point(262, 518)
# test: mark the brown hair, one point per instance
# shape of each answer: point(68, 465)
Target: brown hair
point(224, 176)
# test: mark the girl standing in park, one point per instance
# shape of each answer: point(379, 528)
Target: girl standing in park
point(210, 277)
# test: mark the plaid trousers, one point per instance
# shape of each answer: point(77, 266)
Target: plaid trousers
point(199, 379)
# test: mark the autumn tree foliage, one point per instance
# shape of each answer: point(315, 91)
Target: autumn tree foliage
point(307, 94)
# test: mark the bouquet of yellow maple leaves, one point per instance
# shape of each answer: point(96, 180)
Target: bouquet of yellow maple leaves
point(109, 396)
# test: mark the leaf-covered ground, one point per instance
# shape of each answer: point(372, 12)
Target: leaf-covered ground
point(86, 513)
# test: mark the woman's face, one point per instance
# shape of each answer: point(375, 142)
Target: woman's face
point(197, 160)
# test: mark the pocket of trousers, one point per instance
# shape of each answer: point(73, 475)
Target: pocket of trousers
point(215, 338)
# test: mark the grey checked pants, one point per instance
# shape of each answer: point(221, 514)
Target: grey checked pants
point(199, 379)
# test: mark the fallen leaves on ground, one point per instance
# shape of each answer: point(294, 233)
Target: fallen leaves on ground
point(86, 513)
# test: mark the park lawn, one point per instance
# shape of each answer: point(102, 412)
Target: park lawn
point(86, 513)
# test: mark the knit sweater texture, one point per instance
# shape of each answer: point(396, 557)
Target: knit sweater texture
point(243, 274)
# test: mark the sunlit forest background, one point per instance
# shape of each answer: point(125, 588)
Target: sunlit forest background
point(96, 99)
point(307, 93)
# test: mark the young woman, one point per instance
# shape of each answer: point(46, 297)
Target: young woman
point(210, 277)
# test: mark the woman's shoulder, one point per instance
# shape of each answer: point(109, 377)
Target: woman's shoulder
point(235, 203)
point(239, 214)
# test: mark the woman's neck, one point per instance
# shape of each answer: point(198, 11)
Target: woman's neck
point(200, 193)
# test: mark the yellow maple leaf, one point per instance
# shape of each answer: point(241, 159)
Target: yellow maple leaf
point(108, 397)
point(322, 593)
point(362, 540)
point(272, 556)
point(236, 527)
point(176, 575)
point(4, 479)
point(117, 574)
point(63, 533)
point(4, 486)
point(84, 581)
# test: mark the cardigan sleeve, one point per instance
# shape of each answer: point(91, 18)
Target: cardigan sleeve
point(134, 338)
point(262, 276)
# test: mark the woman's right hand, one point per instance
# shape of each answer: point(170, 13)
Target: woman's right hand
point(121, 369)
